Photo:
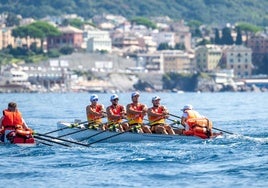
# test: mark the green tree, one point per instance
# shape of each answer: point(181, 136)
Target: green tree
point(238, 40)
point(179, 46)
point(194, 28)
point(203, 42)
point(78, 23)
point(248, 28)
point(12, 20)
point(217, 39)
point(143, 21)
point(163, 46)
point(226, 36)
point(44, 30)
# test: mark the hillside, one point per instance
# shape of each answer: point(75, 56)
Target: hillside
point(207, 11)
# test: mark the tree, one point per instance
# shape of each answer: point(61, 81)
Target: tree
point(248, 29)
point(217, 37)
point(37, 30)
point(194, 28)
point(46, 29)
point(163, 46)
point(179, 46)
point(238, 40)
point(12, 20)
point(143, 21)
point(226, 36)
point(203, 42)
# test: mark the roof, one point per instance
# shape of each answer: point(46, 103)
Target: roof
point(70, 29)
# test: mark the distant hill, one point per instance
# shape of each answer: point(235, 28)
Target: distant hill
point(216, 12)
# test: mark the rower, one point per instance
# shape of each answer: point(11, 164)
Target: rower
point(135, 114)
point(195, 124)
point(157, 115)
point(115, 115)
point(95, 112)
point(14, 129)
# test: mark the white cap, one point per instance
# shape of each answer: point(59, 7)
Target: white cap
point(156, 98)
point(114, 96)
point(187, 107)
point(93, 97)
point(135, 94)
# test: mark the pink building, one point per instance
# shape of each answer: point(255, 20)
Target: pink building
point(259, 46)
point(71, 37)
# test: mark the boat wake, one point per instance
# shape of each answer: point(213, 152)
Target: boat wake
point(250, 138)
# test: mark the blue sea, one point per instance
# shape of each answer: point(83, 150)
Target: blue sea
point(239, 159)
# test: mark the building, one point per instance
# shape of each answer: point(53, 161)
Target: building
point(177, 61)
point(152, 62)
point(182, 34)
point(259, 46)
point(238, 58)
point(207, 57)
point(125, 41)
point(164, 37)
point(98, 40)
point(71, 37)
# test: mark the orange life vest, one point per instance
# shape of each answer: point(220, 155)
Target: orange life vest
point(116, 110)
point(92, 117)
point(155, 119)
point(133, 118)
point(198, 125)
point(11, 119)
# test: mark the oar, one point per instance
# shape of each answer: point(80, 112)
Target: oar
point(71, 126)
point(52, 141)
point(74, 132)
point(82, 129)
point(224, 131)
point(174, 115)
point(44, 143)
point(108, 137)
point(61, 139)
point(116, 134)
point(101, 131)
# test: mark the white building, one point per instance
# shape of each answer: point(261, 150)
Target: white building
point(164, 37)
point(98, 40)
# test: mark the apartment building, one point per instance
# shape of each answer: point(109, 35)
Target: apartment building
point(238, 58)
point(207, 57)
point(177, 61)
point(259, 46)
point(97, 40)
point(164, 37)
point(182, 34)
point(152, 62)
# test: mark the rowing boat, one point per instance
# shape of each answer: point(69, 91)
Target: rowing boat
point(92, 135)
point(10, 137)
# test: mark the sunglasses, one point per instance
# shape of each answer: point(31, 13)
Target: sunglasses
point(116, 100)
point(95, 100)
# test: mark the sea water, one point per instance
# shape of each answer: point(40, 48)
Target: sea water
point(237, 159)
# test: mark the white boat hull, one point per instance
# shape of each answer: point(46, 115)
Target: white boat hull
point(113, 137)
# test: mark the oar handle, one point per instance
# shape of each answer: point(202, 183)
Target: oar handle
point(77, 131)
point(71, 126)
